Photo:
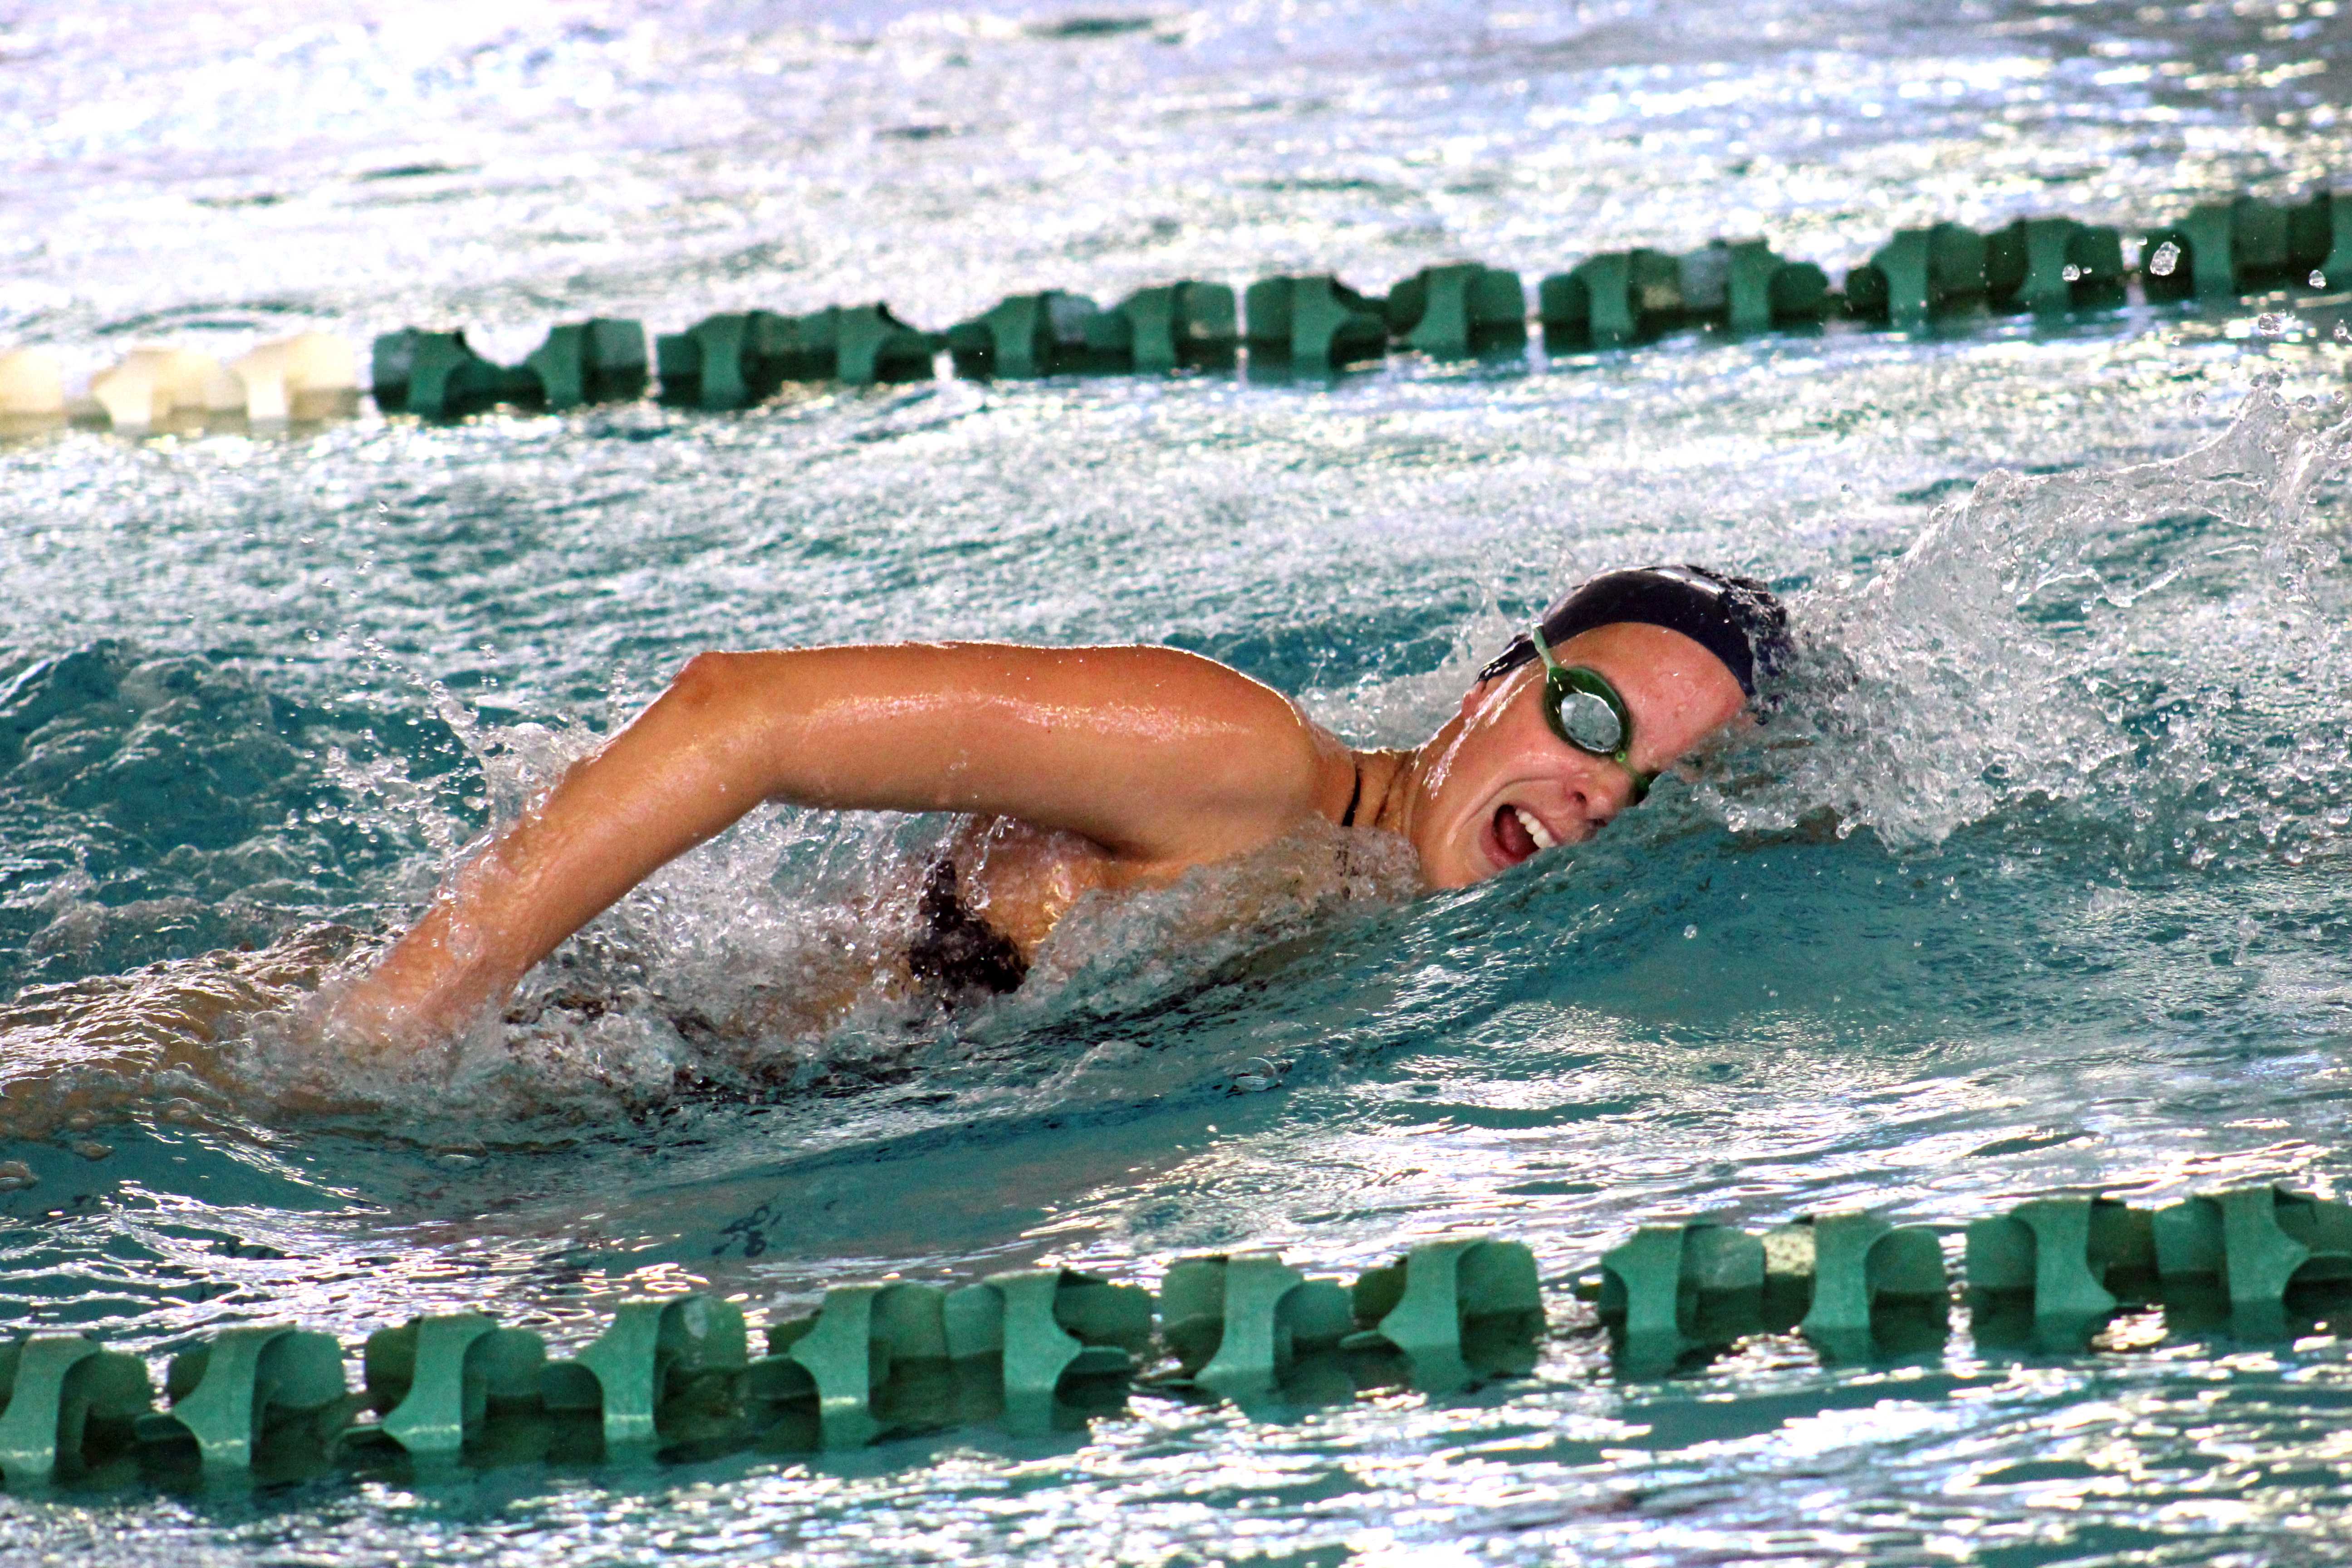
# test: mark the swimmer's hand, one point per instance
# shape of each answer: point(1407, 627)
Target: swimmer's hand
point(1162, 758)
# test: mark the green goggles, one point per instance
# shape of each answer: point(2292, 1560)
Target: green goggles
point(1585, 710)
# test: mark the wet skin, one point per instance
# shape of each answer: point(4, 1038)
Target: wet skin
point(1499, 757)
point(1083, 769)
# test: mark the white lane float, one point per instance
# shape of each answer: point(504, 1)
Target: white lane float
point(151, 387)
point(310, 376)
point(32, 388)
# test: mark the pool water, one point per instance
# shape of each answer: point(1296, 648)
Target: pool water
point(2033, 885)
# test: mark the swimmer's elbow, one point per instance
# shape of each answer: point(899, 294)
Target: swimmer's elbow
point(746, 718)
point(709, 680)
point(717, 712)
point(717, 698)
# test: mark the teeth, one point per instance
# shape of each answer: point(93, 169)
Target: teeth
point(1535, 830)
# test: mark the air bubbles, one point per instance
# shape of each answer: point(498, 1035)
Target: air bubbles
point(2073, 274)
point(2317, 279)
point(2271, 324)
point(2343, 333)
point(2167, 258)
point(1690, 934)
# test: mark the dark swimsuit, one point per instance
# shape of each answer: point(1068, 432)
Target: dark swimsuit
point(956, 954)
point(959, 957)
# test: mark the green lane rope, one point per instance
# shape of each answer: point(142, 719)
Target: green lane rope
point(2048, 1275)
point(1030, 1349)
point(1038, 1350)
point(1310, 324)
point(596, 361)
point(1317, 323)
point(1463, 309)
point(730, 361)
point(1313, 322)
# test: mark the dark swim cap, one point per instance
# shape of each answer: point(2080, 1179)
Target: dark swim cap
point(1737, 620)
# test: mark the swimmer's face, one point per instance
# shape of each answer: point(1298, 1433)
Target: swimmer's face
point(1499, 786)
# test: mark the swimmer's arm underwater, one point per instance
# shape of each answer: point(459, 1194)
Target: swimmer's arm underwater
point(1162, 758)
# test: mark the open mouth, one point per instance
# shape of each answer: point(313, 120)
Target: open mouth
point(1518, 834)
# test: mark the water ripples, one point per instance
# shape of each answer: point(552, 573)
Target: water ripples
point(2030, 884)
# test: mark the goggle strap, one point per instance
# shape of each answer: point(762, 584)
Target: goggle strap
point(1543, 648)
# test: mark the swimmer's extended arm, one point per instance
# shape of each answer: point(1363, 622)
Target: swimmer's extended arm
point(1160, 757)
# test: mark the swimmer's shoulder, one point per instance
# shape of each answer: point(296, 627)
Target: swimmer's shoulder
point(1263, 752)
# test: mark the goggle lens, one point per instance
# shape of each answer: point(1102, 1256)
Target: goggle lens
point(1585, 710)
point(1590, 724)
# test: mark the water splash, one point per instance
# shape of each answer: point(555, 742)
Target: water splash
point(166, 1045)
point(2157, 646)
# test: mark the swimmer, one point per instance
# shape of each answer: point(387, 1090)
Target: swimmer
point(1084, 769)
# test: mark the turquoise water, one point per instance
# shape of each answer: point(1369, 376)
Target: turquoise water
point(2037, 886)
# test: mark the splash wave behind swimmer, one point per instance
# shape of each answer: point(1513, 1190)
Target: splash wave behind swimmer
point(2032, 881)
point(2141, 642)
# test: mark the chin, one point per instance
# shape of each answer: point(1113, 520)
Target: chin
point(1457, 860)
point(1460, 870)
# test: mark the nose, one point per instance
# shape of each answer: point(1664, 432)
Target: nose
point(1608, 790)
point(1588, 812)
